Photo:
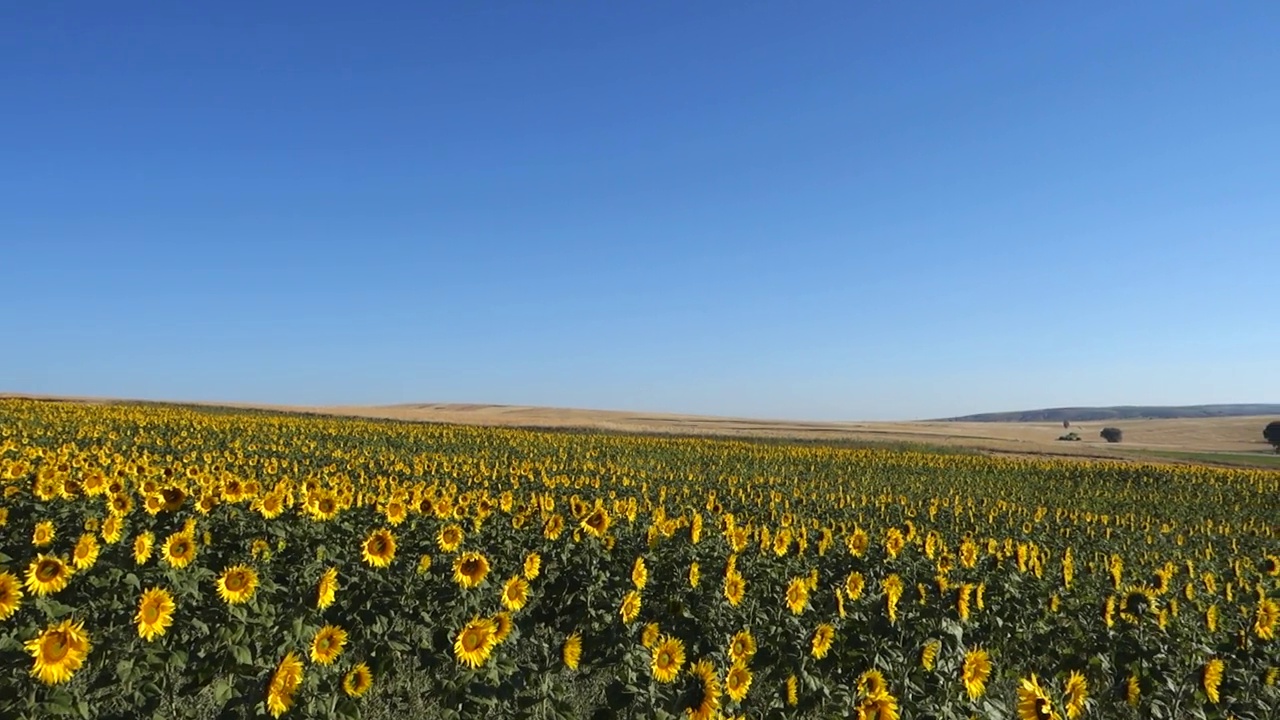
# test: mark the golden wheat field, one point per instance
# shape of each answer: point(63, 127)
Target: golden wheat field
point(170, 562)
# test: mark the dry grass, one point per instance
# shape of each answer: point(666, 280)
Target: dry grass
point(1235, 435)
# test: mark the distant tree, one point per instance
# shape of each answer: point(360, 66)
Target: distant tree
point(1112, 434)
point(1272, 434)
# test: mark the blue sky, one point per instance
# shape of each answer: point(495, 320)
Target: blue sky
point(796, 210)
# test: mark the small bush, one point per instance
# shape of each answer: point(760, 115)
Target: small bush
point(1069, 436)
point(1112, 434)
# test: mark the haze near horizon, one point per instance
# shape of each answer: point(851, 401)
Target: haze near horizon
point(827, 211)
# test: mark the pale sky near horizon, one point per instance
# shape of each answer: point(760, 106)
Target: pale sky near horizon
point(826, 210)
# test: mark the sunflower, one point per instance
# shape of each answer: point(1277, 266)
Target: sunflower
point(649, 636)
point(1264, 624)
point(327, 644)
point(515, 593)
point(44, 534)
point(797, 595)
point(709, 706)
point(1132, 691)
point(1211, 618)
point(571, 653)
point(737, 682)
point(630, 609)
point(793, 690)
point(858, 542)
point(742, 647)
point(853, 585)
point(822, 638)
point(470, 569)
point(179, 549)
point(237, 584)
point(532, 566)
point(327, 588)
point(668, 658)
point(975, 671)
point(597, 523)
point(1076, 693)
point(155, 613)
point(871, 683)
point(929, 656)
point(424, 564)
point(111, 530)
point(357, 681)
point(1033, 702)
point(695, 575)
point(47, 574)
point(59, 650)
point(449, 538)
point(962, 600)
point(1213, 678)
point(85, 553)
point(475, 642)
point(10, 595)
point(892, 587)
point(881, 706)
point(502, 626)
point(379, 548)
point(735, 588)
point(284, 684)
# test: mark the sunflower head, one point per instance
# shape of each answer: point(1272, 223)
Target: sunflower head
point(475, 642)
point(357, 681)
point(59, 651)
point(47, 574)
point(470, 569)
point(667, 659)
point(10, 595)
point(155, 613)
point(571, 653)
point(742, 647)
point(327, 644)
point(515, 593)
point(379, 548)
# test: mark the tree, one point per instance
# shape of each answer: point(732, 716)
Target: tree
point(1272, 434)
point(1112, 434)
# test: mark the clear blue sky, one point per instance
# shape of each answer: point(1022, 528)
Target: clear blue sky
point(837, 209)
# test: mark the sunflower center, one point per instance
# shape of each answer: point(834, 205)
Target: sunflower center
point(326, 506)
point(47, 570)
point(55, 647)
point(471, 640)
point(378, 546)
point(236, 581)
point(150, 613)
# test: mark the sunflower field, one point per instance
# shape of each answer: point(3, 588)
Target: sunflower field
point(160, 561)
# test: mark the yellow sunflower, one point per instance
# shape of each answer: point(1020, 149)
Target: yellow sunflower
point(797, 595)
point(85, 553)
point(639, 573)
point(327, 588)
point(881, 706)
point(735, 588)
point(10, 595)
point(47, 574)
point(237, 584)
point(59, 650)
point(793, 690)
point(893, 588)
point(43, 534)
point(475, 642)
point(1132, 691)
point(649, 636)
point(597, 523)
point(854, 585)
point(571, 653)
point(1033, 702)
point(532, 566)
point(668, 658)
point(424, 564)
point(449, 538)
point(630, 609)
point(327, 644)
point(742, 647)
point(1076, 693)
point(142, 546)
point(709, 704)
point(1213, 678)
point(470, 569)
point(111, 530)
point(515, 593)
point(737, 682)
point(1264, 623)
point(155, 613)
point(822, 638)
point(179, 549)
point(357, 681)
point(379, 549)
point(284, 684)
point(872, 683)
point(929, 656)
point(975, 671)
point(695, 575)
point(502, 626)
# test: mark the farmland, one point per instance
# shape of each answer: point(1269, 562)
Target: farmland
point(268, 564)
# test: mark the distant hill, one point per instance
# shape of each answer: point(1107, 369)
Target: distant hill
point(1123, 412)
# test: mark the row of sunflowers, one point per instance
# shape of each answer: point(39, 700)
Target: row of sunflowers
point(159, 561)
